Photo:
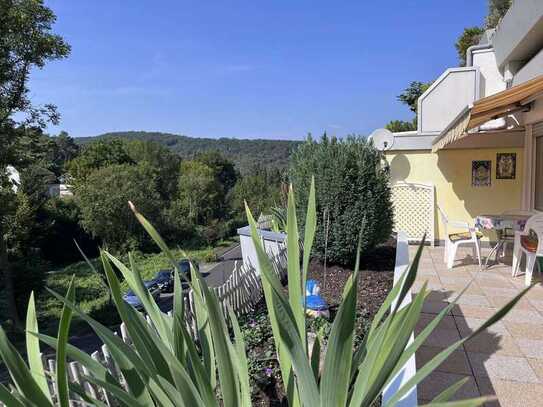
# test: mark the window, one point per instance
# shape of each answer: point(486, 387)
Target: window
point(538, 201)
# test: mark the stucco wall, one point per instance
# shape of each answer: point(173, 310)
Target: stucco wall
point(529, 71)
point(519, 34)
point(491, 79)
point(455, 89)
point(450, 172)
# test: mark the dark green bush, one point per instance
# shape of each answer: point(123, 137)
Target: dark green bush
point(351, 187)
point(30, 273)
point(103, 200)
point(57, 243)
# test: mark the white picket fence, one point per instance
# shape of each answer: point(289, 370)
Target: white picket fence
point(242, 291)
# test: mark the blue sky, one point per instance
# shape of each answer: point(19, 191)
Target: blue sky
point(246, 69)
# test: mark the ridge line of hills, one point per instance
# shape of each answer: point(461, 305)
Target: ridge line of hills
point(245, 153)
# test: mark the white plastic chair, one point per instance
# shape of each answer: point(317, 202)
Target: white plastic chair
point(517, 253)
point(454, 240)
point(533, 225)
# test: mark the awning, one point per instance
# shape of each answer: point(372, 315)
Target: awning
point(490, 108)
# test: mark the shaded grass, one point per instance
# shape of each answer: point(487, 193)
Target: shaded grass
point(92, 295)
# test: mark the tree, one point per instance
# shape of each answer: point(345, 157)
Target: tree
point(261, 190)
point(409, 97)
point(65, 150)
point(103, 200)
point(352, 189)
point(165, 162)
point(26, 42)
point(496, 10)
point(224, 169)
point(199, 192)
point(469, 37)
point(98, 155)
point(397, 126)
point(411, 94)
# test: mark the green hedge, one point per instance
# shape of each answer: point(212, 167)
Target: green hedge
point(352, 187)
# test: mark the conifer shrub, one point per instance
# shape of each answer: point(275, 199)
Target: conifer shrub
point(353, 195)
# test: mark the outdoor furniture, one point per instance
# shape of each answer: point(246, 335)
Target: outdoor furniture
point(503, 224)
point(471, 236)
point(531, 244)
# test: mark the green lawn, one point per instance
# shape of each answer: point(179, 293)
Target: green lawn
point(91, 293)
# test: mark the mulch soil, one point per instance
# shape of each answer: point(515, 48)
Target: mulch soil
point(375, 282)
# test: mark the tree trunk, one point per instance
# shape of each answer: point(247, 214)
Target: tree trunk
point(9, 290)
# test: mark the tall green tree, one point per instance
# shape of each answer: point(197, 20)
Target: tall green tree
point(97, 155)
point(164, 161)
point(397, 126)
point(199, 192)
point(469, 37)
point(496, 10)
point(223, 168)
point(261, 190)
point(103, 201)
point(65, 149)
point(27, 42)
point(411, 94)
point(409, 97)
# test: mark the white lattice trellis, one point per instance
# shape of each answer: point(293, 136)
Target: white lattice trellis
point(414, 208)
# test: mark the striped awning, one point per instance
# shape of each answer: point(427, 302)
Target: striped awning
point(490, 108)
point(454, 132)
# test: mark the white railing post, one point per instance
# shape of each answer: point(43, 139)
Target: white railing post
point(410, 368)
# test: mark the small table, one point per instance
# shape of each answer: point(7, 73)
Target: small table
point(500, 223)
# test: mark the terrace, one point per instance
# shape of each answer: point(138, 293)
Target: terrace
point(505, 361)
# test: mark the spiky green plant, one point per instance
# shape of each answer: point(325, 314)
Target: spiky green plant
point(164, 366)
point(350, 376)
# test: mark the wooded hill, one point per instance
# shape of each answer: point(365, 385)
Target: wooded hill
point(246, 154)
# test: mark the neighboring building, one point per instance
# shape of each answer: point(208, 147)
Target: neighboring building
point(492, 106)
point(60, 190)
point(14, 177)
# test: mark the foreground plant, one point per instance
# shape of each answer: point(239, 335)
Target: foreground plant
point(165, 366)
point(351, 376)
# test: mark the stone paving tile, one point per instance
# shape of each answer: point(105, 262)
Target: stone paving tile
point(524, 316)
point(537, 366)
point(471, 311)
point(455, 289)
point(474, 300)
point(531, 348)
point(437, 296)
point(455, 277)
point(509, 368)
point(501, 292)
point(446, 323)
point(511, 394)
point(499, 302)
point(457, 362)
point(442, 338)
point(429, 272)
point(493, 281)
point(538, 305)
point(491, 343)
point(505, 361)
point(434, 307)
point(535, 294)
point(524, 330)
point(439, 381)
point(467, 326)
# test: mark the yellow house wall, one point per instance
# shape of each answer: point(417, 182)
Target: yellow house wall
point(450, 172)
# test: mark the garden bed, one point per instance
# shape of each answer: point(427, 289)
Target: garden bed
point(376, 277)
